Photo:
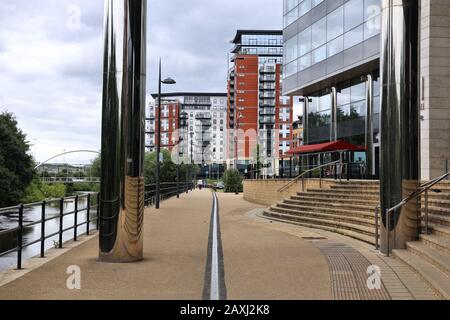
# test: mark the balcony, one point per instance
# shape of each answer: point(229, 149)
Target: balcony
point(267, 78)
point(267, 112)
point(267, 120)
point(267, 70)
point(267, 95)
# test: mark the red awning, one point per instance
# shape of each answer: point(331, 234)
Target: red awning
point(339, 145)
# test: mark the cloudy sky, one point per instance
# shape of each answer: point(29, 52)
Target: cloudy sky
point(51, 60)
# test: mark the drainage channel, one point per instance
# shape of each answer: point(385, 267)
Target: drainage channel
point(214, 287)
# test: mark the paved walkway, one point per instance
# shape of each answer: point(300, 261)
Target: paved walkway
point(261, 260)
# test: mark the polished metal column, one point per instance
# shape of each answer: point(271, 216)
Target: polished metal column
point(399, 119)
point(369, 127)
point(334, 135)
point(123, 125)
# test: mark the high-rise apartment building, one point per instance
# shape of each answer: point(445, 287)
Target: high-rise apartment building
point(203, 140)
point(259, 118)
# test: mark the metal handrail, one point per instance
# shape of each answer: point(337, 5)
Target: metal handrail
point(169, 190)
point(423, 189)
point(302, 175)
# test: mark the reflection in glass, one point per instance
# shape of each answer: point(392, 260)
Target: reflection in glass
point(353, 14)
point(319, 54)
point(335, 23)
point(304, 41)
point(319, 33)
point(353, 37)
point(304, 62)
point(336, 46)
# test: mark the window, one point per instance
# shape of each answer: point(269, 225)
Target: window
point(304, 62)
point(335, 46)
point(353, 37)
point(335, 24)
point(319, 33)
point(290, 53)
point(304, 41)
point(353, 14)
point(319, 54)
point(305, 7)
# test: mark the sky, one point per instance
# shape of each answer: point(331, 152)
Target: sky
point(51, 60)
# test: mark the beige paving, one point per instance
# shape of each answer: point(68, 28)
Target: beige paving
point(175, 258)
point(400, 281)
point(264, 263)
point(260, 263)
point(263, 260)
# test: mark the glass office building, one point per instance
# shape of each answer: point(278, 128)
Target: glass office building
point(331, 60)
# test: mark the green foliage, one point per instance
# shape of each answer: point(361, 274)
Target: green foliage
point(233, 181)
point(38, 191)
point(96, 169)
point(168, 169)
point(16, 166)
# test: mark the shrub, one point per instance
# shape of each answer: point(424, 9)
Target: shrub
point(233, 181)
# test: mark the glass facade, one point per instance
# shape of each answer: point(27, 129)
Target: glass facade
point(346, 26)
point(351, 112)
point(269, 47)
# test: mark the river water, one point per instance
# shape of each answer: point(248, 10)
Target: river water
point(9, 220)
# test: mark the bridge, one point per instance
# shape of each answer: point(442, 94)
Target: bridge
point(69, 180)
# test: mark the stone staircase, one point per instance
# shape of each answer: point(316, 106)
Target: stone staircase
point(430, 256)
point(347, 208)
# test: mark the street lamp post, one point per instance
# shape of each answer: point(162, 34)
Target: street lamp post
point(158, 140)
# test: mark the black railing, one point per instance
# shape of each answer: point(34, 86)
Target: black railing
point(167, 190)
point(349, 171)
point(26, 224)
point(23, 225)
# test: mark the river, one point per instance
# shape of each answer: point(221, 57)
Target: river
point(9, 220)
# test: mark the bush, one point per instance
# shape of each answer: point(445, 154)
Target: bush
point(233, 181)
point(38, 191)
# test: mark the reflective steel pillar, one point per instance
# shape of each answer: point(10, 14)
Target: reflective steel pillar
point(369, 127)
point(334, 135)
point(399, 119)
point(123, 125)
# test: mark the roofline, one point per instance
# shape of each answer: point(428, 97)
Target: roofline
point(241, 32)
point(190, 94)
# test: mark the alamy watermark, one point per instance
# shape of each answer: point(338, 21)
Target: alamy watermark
point(74, 280)
point(374, 279)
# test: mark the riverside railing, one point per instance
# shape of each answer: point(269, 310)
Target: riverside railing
point(60, 215)
point(167, 190)
point(23, 224)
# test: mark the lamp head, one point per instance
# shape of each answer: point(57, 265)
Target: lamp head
point(168, 81)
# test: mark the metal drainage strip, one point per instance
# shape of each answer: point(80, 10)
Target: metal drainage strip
point(349, 276)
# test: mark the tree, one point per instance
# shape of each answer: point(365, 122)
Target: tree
point(168, 171)
point(16, 165)
point(95, 167)
point(233, 181)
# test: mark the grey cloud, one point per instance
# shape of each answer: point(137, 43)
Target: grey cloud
point(51, 75)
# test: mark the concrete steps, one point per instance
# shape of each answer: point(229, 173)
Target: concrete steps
point(437, 280)
point(313, 223)
point(329, 217)
point(328, 204)
point(339, 211)
point(347, 209)
point(430, 256)
point(349, 195)
point(334, 200)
